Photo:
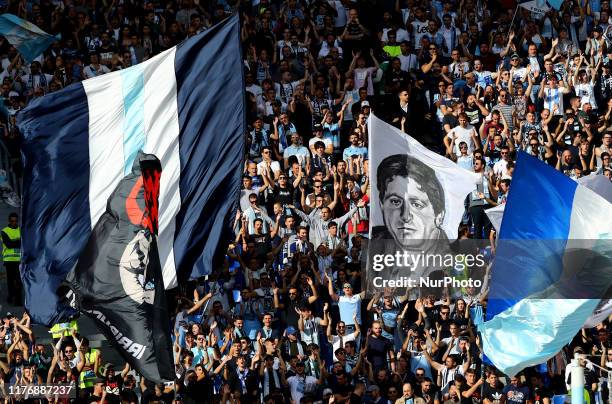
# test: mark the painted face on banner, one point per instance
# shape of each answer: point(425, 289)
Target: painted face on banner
point(408, 213)
point(133, 269)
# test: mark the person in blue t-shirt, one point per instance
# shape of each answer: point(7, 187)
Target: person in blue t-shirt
point(354, 149)
point(516, 392)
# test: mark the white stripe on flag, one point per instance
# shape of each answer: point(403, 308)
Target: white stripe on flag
point(162, 130)
point(106, 101)
point(106, 156)
point(583, 220)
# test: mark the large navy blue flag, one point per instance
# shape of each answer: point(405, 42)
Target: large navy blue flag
point(185, 106)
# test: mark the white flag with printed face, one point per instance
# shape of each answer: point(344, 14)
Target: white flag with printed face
point(417, 201)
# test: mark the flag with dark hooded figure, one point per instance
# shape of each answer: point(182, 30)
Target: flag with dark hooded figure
point(118, 279)
point(185, 106)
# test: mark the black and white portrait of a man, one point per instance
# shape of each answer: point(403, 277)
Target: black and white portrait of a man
point(416, 205)
point(412, 203)
point(411, 200)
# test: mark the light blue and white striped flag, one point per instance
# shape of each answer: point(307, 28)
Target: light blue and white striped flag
point(185, 106)
point(553, 266)
point(29, 40)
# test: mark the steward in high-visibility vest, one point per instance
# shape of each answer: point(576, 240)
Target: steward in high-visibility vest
point(11, 248)
point(89, 364)
point(11, 255)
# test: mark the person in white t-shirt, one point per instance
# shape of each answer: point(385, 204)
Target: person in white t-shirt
point(94, 68)
point(500, 168)
point(267, 164)
point(462, 133)
point(318, 137)
point(341, 336)
point(408, 59)
point(418, 26)
point(349, 304)
point(251, 86)
point(585, 87)
point(300, 384)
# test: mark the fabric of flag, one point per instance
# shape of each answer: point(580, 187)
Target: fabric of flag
point(476, 314)
point(416, 205)
point(185, 106)
point(537, 7)
point(386, 140)
point(556, 4)
point(601, 313)
point(29, 40)
point(118, 280)
point(553, 266)
point(601, 186)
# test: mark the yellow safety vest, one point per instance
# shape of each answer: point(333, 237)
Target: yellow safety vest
point(64, 329)
point(11, 254)
point(87, 377)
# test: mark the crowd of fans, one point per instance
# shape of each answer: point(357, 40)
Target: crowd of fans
point(285, 320)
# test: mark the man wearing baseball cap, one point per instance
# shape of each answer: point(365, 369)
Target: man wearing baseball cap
point(293, 345)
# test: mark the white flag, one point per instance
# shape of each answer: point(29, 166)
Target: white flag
point(455, 182)
point(417, 200)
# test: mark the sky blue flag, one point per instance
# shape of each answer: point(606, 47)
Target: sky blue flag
point(29, 40)
point(185, 106)
point(556, 4)
point(553, 266)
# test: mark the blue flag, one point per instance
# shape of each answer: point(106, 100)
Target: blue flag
point(553, 266)
point(29, 40)
point(186, 107)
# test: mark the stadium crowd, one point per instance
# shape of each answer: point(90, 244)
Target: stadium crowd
point(285, 320)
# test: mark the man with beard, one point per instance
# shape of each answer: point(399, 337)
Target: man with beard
point(114, 383)
point(379, 348)
point(515, 392)
point(402, 110)
point(449, 370)
point(428, 392)
point(475, 110)
point(339, 340)
point(408, 396)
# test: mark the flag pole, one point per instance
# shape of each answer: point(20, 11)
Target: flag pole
point(513, 17)
point(609, 372)
point(577, 383)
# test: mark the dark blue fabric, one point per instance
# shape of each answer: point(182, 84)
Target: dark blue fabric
point(210, 92)
point(55, 212)
point(533, 235)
